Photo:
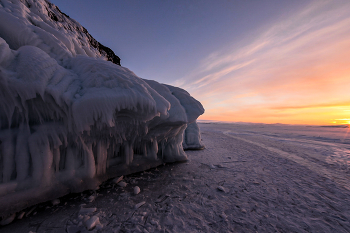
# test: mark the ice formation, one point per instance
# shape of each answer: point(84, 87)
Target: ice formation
point(71, 116)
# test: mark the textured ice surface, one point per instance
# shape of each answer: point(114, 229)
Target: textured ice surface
point(71, 119)
point(251, 178)
point(41, 24)
point(192, 137)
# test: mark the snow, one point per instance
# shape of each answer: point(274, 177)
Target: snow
point(266, 178)
point(70, 119)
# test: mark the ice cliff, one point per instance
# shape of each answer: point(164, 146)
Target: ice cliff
point(71, 116)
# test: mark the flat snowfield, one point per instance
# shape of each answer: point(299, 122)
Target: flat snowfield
point(250, 178)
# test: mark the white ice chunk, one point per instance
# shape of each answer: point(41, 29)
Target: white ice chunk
point(192, 137)
point(70, 119)
point(92, 222)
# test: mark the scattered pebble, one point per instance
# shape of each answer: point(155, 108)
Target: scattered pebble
point(21, 215)
point(30, 211)
point(55, 202)
point(154, 222)
point(122, 184)
point(223, 216)
point(84, 211)
point(8, 220)
point(138, 205)
point(91, 198)
point(222, 189)
point(136, 190)
point(92, 222)
point(117, 180)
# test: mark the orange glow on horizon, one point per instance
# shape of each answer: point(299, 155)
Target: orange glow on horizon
point(328, 115)
point(296, 72)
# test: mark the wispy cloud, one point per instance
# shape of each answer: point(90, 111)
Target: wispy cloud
point(301, 60)
point(212, 77)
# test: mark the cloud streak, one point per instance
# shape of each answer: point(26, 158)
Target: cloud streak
point(300, 60)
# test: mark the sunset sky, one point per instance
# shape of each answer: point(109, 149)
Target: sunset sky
point(252, 61)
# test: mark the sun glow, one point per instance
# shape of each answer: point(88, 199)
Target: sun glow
point(345, 121)
point(305, 115)
point(295, 72)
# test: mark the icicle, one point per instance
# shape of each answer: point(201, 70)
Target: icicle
point(155, 148)
point(35, 155)
point(47, 157)
point(7, 148)
point(126, 154)
point(89, 160)
point(152, 150)
point(56, 159)
point(144, 149)
point(82, 114)
point(131, 153)
point(101, 158)
point(116, 150)
point(22, 152)
point(70, 165)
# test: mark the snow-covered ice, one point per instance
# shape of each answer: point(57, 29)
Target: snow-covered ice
point(277, 178)
point(71, 116)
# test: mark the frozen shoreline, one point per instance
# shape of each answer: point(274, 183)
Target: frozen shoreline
point(71, 116)
point(249, 178)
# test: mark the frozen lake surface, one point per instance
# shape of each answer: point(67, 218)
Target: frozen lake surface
point(250, 178)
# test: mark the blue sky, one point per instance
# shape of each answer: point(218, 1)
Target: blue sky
point(165, 40)
point(259, 61)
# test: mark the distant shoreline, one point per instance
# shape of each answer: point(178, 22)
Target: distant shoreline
point(253, 123)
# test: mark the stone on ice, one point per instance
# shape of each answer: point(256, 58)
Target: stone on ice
point(92, 222)
point(138, 205)
point(136, 190)
point(122, 184)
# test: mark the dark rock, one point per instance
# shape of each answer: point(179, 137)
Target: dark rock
point(58, 16)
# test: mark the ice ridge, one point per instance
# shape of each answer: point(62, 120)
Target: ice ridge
point(71, 116)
